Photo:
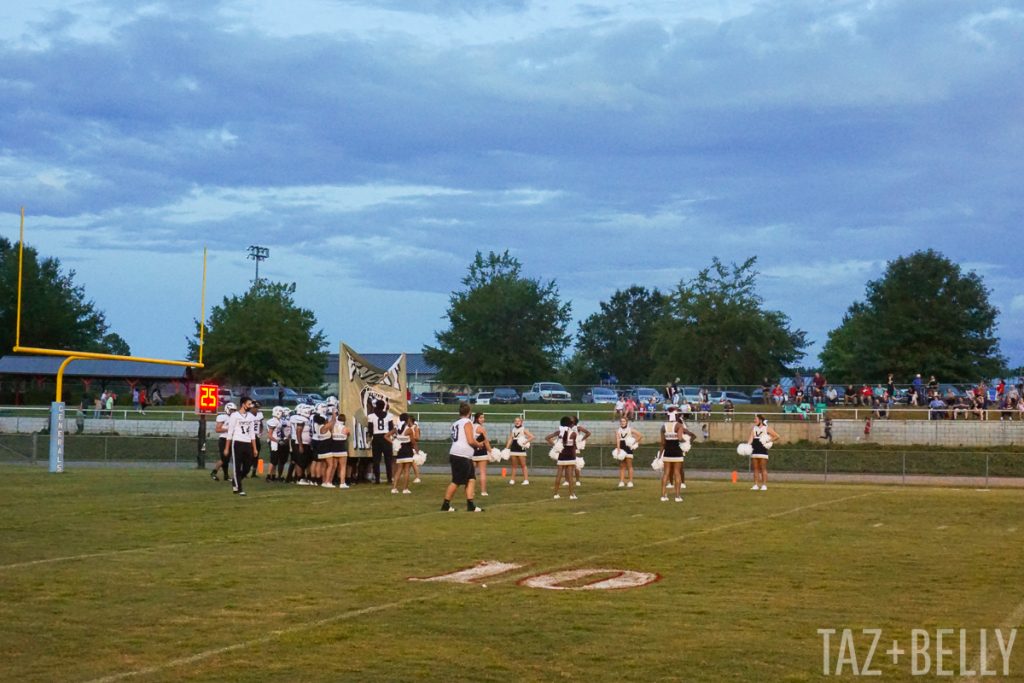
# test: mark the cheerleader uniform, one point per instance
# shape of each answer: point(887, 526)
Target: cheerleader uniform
point(518, 438)
point(567, 456)
point(339, 442)
point(479, 450)
point(622, 435)
point(405, 453)
point(760, 436)
point(673, 452)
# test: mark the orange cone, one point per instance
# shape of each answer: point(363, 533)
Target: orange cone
point(735, 476)
point(504, 472)
point(259, 466)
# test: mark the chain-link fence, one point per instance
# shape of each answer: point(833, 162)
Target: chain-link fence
point(896, 465)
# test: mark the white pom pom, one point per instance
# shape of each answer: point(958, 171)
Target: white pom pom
point(494, 455)
point(685, 445)
point(523, 443)
point(506, 454)
point(658, 464)
point(631, 442)
point(619, 454)
point(745, 449)
point(579, 463)
point(581, 444)
point(554, 452)
point(767, 443)
point(419, 458)
point(395, 447)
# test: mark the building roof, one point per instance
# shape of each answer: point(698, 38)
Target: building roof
point(415, 364)
point(115, 369)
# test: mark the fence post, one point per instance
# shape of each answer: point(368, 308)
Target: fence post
point(987, 456)
point(175, 450)
point(904, 453)
point(35, 445)
point(826, 466)
point(106, 441)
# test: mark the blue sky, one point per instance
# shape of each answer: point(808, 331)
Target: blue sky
point(374, 146)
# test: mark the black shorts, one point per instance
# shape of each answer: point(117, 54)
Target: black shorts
point(516, 449)
point(280, 456)
point(567, 456)
point(302, 456)
point(259, 446)
point(462, 470)
point(222, 442)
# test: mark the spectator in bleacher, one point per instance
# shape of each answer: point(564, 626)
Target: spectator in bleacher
point(1000, 389)
point(766, 391)
point(850, 398)
point(865, 395)
point(652, 407)
point(728, 408)
point(936, 409)
point(135, 399)
point(143, 402)
point(793, 391)
point(778, 395)
point(816, 395)
point(890, 386)
point(981, 406)
point(1007, 408)
point(962, 408)
point(918, 387)
point(97, 404)
point(933, 386)
point(620, 407)
point(630, 408)
point(831, 395)
point(798, 381)
point(819, 382)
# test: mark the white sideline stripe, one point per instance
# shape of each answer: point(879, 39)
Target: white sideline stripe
point(1012, 621)
point(245, 536)
point(206, 654)
point(877, 525)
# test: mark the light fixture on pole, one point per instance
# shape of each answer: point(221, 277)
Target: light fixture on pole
point(257, 254)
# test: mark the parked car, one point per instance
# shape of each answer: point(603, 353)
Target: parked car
point(482, 398)
point(227, 395)
point(268, 396)
point(547, 392)
point(645, 393)
point(600, 395)
point(505, 395)
point(438, 397)
point(313, 398)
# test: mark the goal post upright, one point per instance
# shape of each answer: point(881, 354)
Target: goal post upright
point(57, 408)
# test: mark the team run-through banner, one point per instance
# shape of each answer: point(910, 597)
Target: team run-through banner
point(361, 385)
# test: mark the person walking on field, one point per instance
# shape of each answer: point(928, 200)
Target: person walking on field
point(460, 457)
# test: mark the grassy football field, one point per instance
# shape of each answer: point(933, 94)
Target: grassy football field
point(154, 575)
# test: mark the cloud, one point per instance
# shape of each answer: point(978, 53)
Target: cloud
point(604, 143)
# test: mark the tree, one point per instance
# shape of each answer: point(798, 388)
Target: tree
point(923, 315)
point(503, 327)
point(619, 338)
point(716, 331)
point(262, 337)
point(55, 311)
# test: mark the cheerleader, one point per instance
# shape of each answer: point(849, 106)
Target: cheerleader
point(320, 441)
point(581, 443)
point(566, 437)
point(624, 436)
point(672, 433)
point(408, 439)
point(518, 439)
point(339, 442)
point(761, 438)
point(481, 451)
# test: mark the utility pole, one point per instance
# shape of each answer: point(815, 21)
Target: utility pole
point(257, 254)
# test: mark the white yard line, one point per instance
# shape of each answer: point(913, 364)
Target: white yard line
point(245, 645)
point(352, 614)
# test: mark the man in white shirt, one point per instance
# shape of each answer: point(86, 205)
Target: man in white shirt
point(240, 443)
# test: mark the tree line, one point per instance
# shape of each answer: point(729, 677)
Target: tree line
point(924, 314)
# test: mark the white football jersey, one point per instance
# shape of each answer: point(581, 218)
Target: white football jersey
point(460, 447)
point(240, 427)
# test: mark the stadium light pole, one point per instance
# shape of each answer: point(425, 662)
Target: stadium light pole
point(257, 254)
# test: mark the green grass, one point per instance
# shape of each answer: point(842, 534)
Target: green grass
point(142, 569)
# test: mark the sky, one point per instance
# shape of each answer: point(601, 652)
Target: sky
point(374, 146)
